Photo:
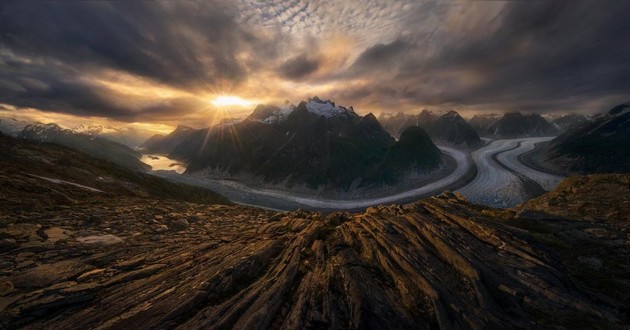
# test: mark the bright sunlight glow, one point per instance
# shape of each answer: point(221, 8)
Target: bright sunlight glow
point(225, 100)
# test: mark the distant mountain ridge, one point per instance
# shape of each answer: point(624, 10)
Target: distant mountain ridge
point(566, 122)
point(165, 144)
point(516, 124)
point(481, 122)
point(129, 136)
point(94, 146)
point(316, 143)
point(448, 127)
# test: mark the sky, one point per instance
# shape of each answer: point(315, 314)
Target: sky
point(163, 63)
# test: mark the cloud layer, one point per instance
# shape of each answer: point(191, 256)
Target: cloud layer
point(163, 61)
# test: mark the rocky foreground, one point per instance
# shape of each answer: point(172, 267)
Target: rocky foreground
point(116, 263)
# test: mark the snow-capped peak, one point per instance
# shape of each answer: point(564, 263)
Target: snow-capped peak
point(88, 130)
point(271, 114)
point(328, 109)
point(279, 115)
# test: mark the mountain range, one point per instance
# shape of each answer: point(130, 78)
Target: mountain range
point(482, 122)
point(519, 125)
point(567, 121)
point(515, 125)
point(129, 136)
point(96, 146)
point(447, 128)
point(316, 143)
point(165, 144)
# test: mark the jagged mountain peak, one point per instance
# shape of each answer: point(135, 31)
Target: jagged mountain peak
point(328, 108)
point(370, 116)
point(270, 114)
point(447, 127)
point(40, 131)
point(452, 114)
point(516, 124)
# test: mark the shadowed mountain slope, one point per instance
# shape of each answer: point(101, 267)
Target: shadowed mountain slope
point(165, 144)
point(316, 144)
point(598, 146)
point(47, 174)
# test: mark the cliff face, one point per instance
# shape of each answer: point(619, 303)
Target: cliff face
point(146, 263)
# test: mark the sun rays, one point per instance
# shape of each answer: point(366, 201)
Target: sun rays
point(228, 100)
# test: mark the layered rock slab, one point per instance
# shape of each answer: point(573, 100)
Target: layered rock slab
point(438, 263)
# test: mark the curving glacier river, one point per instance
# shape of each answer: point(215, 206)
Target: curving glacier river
point(501, 181)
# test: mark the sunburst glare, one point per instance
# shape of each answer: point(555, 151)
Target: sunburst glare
point(228, 100)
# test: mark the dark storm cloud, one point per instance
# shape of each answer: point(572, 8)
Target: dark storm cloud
point(380, 56)
point(49, 50)
point(59, 87)
point(545, 55)
point(171, 43)
point(51, 86)
point(550, 50)
point(299, 67)
point(514, 55)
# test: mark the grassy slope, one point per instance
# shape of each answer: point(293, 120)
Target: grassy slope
point(19, 157)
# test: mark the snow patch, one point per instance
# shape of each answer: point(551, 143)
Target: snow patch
point(328, 109)
point(58, 181)
point(100, 239)
point(279, 115)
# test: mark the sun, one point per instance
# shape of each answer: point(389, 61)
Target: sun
point(228, 100)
